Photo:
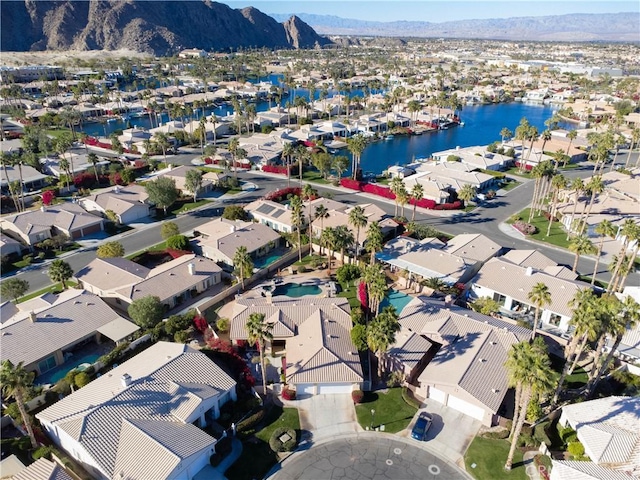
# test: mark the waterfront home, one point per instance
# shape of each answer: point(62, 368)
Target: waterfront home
point(120, 281)
point(475, 157)
point(156, 403)
point(460, 357)
point(58, 325)
point(433, 189)
point(608, 429)
point(509, 285)
point(272, 214)
point(37, 225)
point(529, 157)
point(263, 148)
point(220, 238)
point(32, 179)
point(276, 117)
point(312, 334)
point(129, 203)
point(453, 175)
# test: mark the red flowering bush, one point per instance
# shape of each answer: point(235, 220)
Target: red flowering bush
point(525, 228)
point(200, 323)
point(223, 351)
point(283, 193)
point(279, 169)
point(357, 396)
point(350, 183)
point(379, 190)
point(362, 295)
point(423, 203)
point(457, 205)
point(288, 393)
point(84, 180)
point(47, 197)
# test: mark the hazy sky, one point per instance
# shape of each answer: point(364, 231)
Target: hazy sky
point(436, 10)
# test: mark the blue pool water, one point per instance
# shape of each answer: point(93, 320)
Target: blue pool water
point(263, 262)
point(297, 290)
point(396, 299)
point(58, 373)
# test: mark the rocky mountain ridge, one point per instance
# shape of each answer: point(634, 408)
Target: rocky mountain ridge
point(156, 27)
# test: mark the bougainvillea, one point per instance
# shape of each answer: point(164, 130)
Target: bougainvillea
point(362, 295)
point(47, 197)
point(200, 323)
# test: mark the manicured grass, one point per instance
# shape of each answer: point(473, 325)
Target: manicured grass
point(311, 258)
point(257, 458)
point(154, 248)
point(57, 132)
point(350, 293)
point(211, 170)
point(313, 176)
point(489, 456)
point(577, 379)
point(391, 410)
point(598, 283)
point(185, 207)
point(557, 235)
point(510, 186)
point(493, 173)
point(55, 288)
point(516, 171)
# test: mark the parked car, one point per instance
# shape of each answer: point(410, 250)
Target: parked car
point(422, 426)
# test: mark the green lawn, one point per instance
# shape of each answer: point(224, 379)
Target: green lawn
point(577, 379)
point(57, 132)
point(257, 458)
point(55, 288)
point(489, 455)
point(350, 293)
point(510, 186)
point(186, 206)
point(516, 171)
point(311, 258)
point(313, 176)
point(391, 410)
point(557, 235)
point(154, 248)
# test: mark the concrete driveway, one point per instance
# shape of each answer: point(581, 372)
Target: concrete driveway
point(450, 434)
point(326, 415)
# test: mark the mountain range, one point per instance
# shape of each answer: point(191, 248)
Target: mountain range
point(610, 27)
point(156, 27)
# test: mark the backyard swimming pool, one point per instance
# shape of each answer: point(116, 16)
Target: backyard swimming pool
point(58, 373)
point(396, 299)
point(263, 262)
point(297, 290)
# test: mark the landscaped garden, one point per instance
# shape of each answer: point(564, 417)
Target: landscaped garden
point(391, 411)
point(485, 459)
point(557, 236)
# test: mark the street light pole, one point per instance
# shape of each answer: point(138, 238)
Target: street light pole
point(373, 412)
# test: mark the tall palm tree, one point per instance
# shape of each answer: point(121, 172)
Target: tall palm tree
point(344, 239)
point(321, 213)
point(303, 155)
point(381, 333)
point(605, 229)
point(297, 220)
point(328, 239)
point(595, 186)
point(607, 310)
point(628, 231)
point(558, 182)
point(635, 138)
point(15, 381)
point(402, 197)
point(375, 240)
point(528, 365)
point(577, 186)
point(539, 296)
point(243, 265)
point(467, 193)
point(395, 185)
point(571, 135)
point(417, 192)
point(259, 332)
point(356, 146)
point(373, 276)
point(580, 245)
point(505, 133)
point(308, 193)
point(358, 220)
point(288, 151)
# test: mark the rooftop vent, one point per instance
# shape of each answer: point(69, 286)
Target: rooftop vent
point(494, 390)
point(481, 360)
point(126, 380)
point(33, 317)
point(192, 268)
point(529, 271)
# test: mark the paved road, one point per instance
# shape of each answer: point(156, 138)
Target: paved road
point(485, 219)
point(365, 456)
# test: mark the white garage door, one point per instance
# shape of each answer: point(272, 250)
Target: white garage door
point(437, 395)
point(324, 389)
point(465, 407)
point(305, 389)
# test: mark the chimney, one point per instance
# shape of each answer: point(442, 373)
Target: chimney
point(33, 317)
point(126, 380)
point(192, 268)
point(529, 271)
point(269, 298)
point(233, 228)
point(448, 300)
point(116, 189)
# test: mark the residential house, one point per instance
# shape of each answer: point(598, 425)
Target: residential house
point(58, 324)
point(79, 162)
point(120, 281)
point(509, 285)
point(37, 225)
point(272, 214)
point(475, 157)
point(129, 203)
point(139, 420)
point(463, 356)
point(32, 179)
point(9, 246)
point(609, 430)
point(42, 469)
point(629, 348)
point(320, 357)
point(219, 240)
point(529, 157)
point(210, 180)
point(452, 175)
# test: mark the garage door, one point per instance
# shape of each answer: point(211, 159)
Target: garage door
point(465, 407)
point(437, 395)
point(328, 389)
point(306, 389)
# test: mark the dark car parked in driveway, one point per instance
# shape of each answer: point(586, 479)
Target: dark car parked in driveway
point(422, 426)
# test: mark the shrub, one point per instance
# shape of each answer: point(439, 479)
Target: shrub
point(278, 445)
point(348, 273)
point(409, 399)
point(497, 435)
point(248, 424)
point(283, 194)
point(222, 324)
point(288, 393)
point(200, 323)
point(81, 379)
point(540, 433)
point(576, 449)
point(350, 183)
point(395, 379)
point(357, 316)
point(526, 440)
point(357, 396)
point(280, 169)
point(43, 452)
point(178, 242)
point(181, 336)
point(524, 227)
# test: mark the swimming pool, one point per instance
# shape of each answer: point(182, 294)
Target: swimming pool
point(396, 299)
point(297, 290)
point(58, 373)
point(263, 262)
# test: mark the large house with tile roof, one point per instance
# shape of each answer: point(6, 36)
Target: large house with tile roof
point(320, 357)
point(138, 421)
point(609, 430)
point(42, 469)
point(464, 353)
point(272, 214)
point(120, 281)
point(128, 203)
point(34, 226)
point(41, 332)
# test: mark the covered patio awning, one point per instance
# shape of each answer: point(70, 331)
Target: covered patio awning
point(118, 329)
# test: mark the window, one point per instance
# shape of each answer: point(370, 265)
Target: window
point(499, 298)
point(47, 364)
point(555, 319)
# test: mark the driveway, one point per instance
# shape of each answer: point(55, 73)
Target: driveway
point(327, 415)
point(451, 431)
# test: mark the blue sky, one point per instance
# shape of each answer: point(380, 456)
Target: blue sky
point(436, 10)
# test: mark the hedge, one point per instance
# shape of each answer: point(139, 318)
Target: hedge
point(409, 398)
point(277, 445)
point(249, 423)
point(357, 396)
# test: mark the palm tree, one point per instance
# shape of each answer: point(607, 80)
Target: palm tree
point(375, 240)
point(629, 231)
point(539, 296)
point(528, 366)
point(162, 141)
point(356, 146)
point(505, 133)
point(15, 381)
point(328, 240)
point(60, 271)
point(605, 229)
point(402, 196)
point(541, 172)
point(571, 135)
point(93, 160)
point(467, 193)
point(297, 220)
point(357, 219)
point(243, 264)
point(303, 155)
point(373, 276)
point(635, 138)
point(580, 245)
point(558, 182)
point(308, 193)
point(288, 151)
point(259, 332)
point(321, 213)
point(381, 333)
point(607, 308)
point(344, 238)
point(595, 186)
point(395, 185)
point(417, 192)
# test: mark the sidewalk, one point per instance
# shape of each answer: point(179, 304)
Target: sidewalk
point(532, 471)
